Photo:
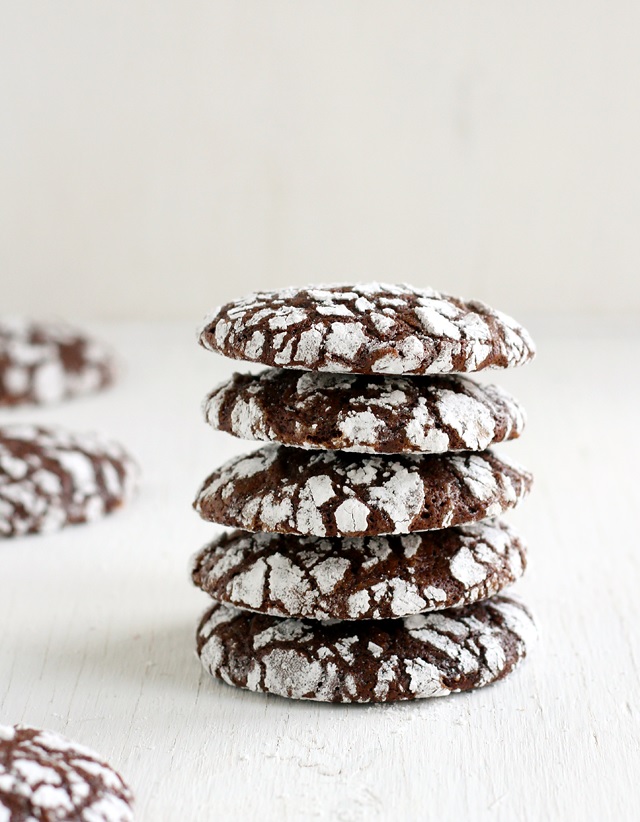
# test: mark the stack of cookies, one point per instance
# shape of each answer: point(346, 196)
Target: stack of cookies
point(369, 559)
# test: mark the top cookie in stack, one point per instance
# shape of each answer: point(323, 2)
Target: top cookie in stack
point(367, 329)
point(398, 439)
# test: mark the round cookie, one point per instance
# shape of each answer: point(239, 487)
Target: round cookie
point(383, 577)
point(44, 363)
point(333, 493)
point(45, 776)
point(369, 661)
point(367, 329)
point(364, 413)
point(50, 478)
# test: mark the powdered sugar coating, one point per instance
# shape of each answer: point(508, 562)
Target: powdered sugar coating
point(367, 328)
point(416, 657)
point(382, 577)
point(45, 776)
point(364, 413)
point(50, 478)
point(333, 493)
point(45, 363)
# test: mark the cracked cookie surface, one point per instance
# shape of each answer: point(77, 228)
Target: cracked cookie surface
point(50, 478)
point(364, 413)
point(334, 493)
point(368, 329)
point(419, 656)
point(45, 776)
point(42, 363)
point(381, 577)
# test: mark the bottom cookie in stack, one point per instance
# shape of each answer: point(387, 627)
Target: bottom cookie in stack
point(345, 620)
point(424, 655)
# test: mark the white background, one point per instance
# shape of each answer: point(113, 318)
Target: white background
point(159, 157)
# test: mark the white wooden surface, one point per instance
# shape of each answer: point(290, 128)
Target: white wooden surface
point(97, 623)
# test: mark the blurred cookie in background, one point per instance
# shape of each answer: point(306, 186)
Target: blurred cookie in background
point(47, 362)
point(51, 478)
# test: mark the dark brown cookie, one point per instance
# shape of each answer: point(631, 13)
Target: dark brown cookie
point(366, 413)
point(332, 493)
point(50, 478)
point(47, 362)
point(373, 328)
point(360, 577)
point(44, 776)
point(368, 661)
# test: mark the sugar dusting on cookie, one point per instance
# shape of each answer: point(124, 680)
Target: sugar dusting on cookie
point(273, 490)
point(370, 567)
point(50, 478)
point(43, 363)
point(379, 577)
point(417, 657)
point(373, 328)
point(45, 776)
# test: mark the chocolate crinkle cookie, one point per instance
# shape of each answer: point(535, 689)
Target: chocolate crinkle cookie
point(367, 329)
point(50, 478)
point(44, 363)
point(44, 776)
point(382, 577)
point(366, 413)
point(419, 656)
point(333, 493)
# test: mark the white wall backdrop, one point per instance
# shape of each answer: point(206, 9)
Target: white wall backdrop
point(159, 157)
